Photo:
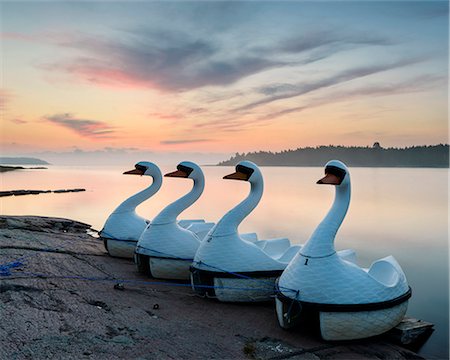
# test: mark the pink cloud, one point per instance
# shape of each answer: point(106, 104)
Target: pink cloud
point(140, 58)
point(93, 129)
point(18, 121)
point(103, 75)
point(164, 116)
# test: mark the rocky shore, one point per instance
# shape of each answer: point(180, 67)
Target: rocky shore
point(63, 297)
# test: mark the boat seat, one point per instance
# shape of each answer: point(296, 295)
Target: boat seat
point(250, 237)
point(289, 254)
point(347, 255)
point(384, 272)
point(200, 229)
point(187, 222)
point(276, 247)
point(260, 243)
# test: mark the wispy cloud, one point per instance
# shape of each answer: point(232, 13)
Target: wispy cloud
point(277, 92)
point(184, 141)
point(88, 128)
point(319, 39)
point(18, 121)
point(234, 123)
point(175, 116)
point(166, 61)
point(417, 84)
point(175, 61)
point(166, 116)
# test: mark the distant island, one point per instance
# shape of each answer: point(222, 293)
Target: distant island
point(12, 168)
point(22, 161)
point(435, 156)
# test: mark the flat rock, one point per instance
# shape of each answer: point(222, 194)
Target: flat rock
point(35, 192)
point(62, 302)
point(411, 332)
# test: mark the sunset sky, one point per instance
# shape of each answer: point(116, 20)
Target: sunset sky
point(222, 77)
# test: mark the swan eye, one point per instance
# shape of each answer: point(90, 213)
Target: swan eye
point(141, 168)
point(245, 170)
point(334, 170)
point(185, 169)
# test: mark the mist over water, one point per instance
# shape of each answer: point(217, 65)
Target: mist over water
point(393, 211)
point(122, 156)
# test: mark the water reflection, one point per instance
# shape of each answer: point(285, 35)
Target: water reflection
point(403, 212)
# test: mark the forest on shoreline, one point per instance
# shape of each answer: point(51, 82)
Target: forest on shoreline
point(435, 156)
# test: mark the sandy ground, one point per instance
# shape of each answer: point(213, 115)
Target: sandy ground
point(46, 314)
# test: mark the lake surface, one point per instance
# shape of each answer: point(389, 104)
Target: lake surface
point(394, 211)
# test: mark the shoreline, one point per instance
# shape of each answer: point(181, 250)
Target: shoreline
point(55, 304)
point(353, 166)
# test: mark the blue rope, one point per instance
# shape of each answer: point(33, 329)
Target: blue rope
point(267, 282)
point(130, 281)
point(5, 269)
point(19, 262)
point(109, 236)
point(196, 262)
point(165, 254)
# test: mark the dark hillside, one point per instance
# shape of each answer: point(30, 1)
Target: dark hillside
point(375, 156)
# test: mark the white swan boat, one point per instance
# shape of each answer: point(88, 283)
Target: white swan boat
point(165, 249)
point(236, 268)
point(350, 302)
point(124, 226)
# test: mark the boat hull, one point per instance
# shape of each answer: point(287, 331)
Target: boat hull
point(360, 324)
point(166, 268)
point(120, 248)
point(227, 287)
point(343, 322)
point(163, 268)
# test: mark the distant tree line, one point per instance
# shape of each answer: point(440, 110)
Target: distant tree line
point(375, 156)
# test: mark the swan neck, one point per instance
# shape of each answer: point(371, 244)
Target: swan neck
point(321, 242)
point(133, 201)
point(170, 212)
point(230, 221)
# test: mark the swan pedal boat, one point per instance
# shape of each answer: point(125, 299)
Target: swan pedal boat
point(349, 302)
point(166, 248)
point(124, 226)
point(231, 267)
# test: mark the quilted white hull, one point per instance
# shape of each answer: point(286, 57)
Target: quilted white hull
point(120, 248)
point(233, 289)
point(244, 290)
point(360, 324)
point(350, 325)
point(163, 268)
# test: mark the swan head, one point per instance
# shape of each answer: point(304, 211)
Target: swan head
point(245, 170)
point(187, 169)
point(145, 168)
point(336, 173)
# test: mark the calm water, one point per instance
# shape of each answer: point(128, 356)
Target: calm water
point(403, 212)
